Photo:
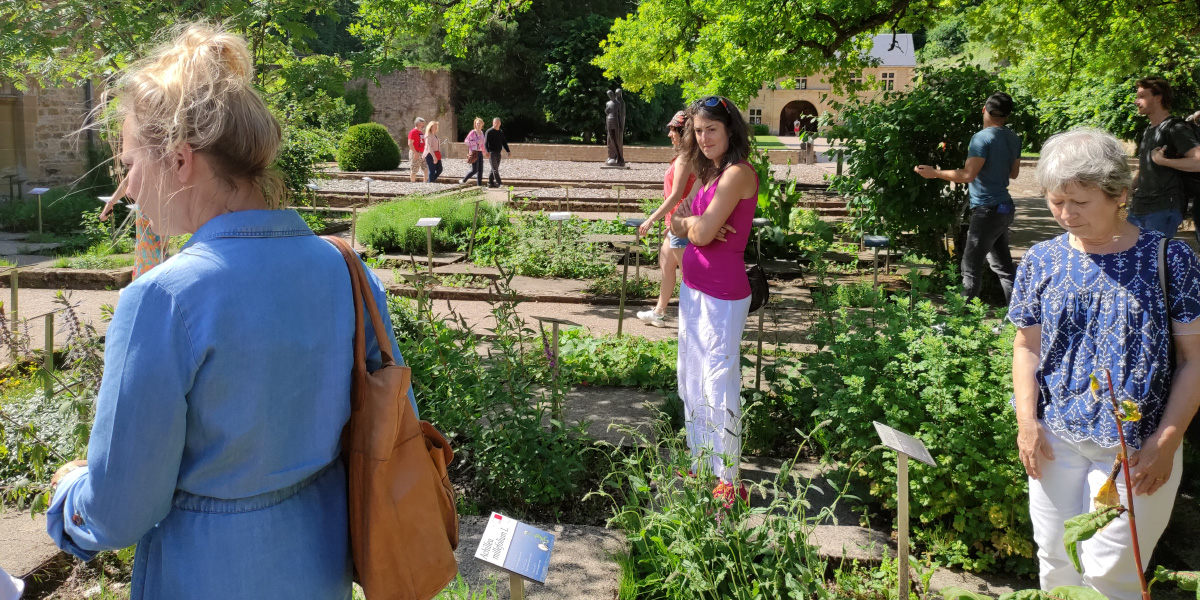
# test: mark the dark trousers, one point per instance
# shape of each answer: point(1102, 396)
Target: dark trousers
point(494, 174)
point(476, 170)
point(433, 169)
point(987, 237)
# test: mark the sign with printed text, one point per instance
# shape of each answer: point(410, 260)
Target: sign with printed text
point(429, 222)
point(516, 547)
point(902, 442)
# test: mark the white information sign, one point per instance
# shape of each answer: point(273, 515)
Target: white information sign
point(902, 442)
point(429, 222)
point(39, 191)
point(559, 216)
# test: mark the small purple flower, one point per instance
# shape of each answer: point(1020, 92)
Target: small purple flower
point(550, 357)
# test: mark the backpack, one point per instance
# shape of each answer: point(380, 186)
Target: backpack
point(1191, 181)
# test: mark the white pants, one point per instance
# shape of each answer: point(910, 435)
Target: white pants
point(1068, 484)
point(710, 377)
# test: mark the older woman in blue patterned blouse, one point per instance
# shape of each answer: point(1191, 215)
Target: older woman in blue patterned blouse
point(1086, 301)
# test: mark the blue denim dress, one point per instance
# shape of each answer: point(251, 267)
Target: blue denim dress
point(216, 440)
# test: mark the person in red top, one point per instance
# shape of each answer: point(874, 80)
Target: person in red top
point(671, 253)
point(416, 149)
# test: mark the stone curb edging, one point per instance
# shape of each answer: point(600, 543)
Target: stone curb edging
point(487, 295)
point(45, 278)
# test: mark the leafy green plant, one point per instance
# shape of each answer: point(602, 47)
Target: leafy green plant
point(635, 287)
point(943, 374)
point(368, 147)
point(684, 543)
point(39, 431)
point(391, 226)
point(761, 129)
point(62, 211)
point(534, 246)
point(621, 361)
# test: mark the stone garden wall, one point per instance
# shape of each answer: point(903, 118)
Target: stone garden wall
point(404, 95)
point(35, 134)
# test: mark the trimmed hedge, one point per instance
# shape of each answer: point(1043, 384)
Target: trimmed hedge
point(368, 147)
point(391, 227)
point(760, 129)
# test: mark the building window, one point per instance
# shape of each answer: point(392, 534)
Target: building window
point(803, 83)
point(756, 116)
point(889, 81)
point(857, 79)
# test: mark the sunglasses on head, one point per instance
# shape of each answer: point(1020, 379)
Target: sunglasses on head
point(712, 101)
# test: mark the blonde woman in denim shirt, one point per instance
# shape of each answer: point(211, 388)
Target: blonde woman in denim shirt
point(227, 368)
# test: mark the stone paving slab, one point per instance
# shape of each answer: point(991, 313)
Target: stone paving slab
point(609, 410)
point(581, 566)
point(24, 545)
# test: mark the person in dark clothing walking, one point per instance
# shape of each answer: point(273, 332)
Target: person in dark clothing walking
point(1169, 150)
point(493, 141)
point(993, 158)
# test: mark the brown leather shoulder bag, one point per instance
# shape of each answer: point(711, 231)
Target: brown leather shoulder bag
point(403, 519)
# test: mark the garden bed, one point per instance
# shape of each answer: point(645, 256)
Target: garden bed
point(72, 279)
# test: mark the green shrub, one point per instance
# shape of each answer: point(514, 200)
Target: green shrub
point(761, 129)
point(536, 247)
point(368, 147)
point(391, 226)
point(361, 102)
point(484, 109)
point(944, 375)
point(686, 545)
point(62, 211)
point(301, 149)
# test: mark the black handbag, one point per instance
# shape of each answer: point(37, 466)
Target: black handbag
point(759, 290)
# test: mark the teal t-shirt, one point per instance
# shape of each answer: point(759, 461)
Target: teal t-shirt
point(998, 147)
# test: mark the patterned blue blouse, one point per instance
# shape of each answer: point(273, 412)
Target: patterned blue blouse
point(1102, 311)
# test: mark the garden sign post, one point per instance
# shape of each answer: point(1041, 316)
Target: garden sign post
point(38, 192)
point(637, 234)
point(618, 189)
point(474, 226)
point(759, 223)
point(368, 180)
point(627, 247)
point(559, 217)
point(905, 446)
point(429, 223)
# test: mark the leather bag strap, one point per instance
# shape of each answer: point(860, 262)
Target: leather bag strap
point(363, 295)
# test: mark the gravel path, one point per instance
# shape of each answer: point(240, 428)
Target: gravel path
point(387, 187)
point(563, 170)
point(558, 192)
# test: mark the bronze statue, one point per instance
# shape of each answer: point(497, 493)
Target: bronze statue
point(614, 127)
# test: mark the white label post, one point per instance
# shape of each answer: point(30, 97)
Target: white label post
point(38, 192)
point(429, 223)
point(905, 445)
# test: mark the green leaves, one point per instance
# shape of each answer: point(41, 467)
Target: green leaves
point(1083, 527)
point(1066, 592)
point(1186, 580)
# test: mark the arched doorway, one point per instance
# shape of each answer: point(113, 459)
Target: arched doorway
point(800, 110)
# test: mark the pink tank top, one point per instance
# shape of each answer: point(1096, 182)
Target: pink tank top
point(719, 269)
point(668, 185)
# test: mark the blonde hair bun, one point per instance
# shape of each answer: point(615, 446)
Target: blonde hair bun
point(197, 88)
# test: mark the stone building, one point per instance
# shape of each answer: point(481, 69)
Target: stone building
point(406, 94)
point(779, 109)
point(36, 134)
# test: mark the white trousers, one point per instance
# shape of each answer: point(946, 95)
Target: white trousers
point(1068, 484)
point(710, 378)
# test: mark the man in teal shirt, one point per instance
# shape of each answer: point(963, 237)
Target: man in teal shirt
point(993, 158)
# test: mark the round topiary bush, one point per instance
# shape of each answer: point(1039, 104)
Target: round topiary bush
point(368, 147)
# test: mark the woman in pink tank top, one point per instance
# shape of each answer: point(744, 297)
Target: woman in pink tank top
point(715, 296)
point(671, 253)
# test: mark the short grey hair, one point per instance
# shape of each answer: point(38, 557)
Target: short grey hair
point(1084, 156)
point(419, 120)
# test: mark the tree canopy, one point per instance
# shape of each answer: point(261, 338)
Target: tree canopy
point(732, 47)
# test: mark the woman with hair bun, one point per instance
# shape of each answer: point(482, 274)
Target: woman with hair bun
point(714, 298)
point(227, 368)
